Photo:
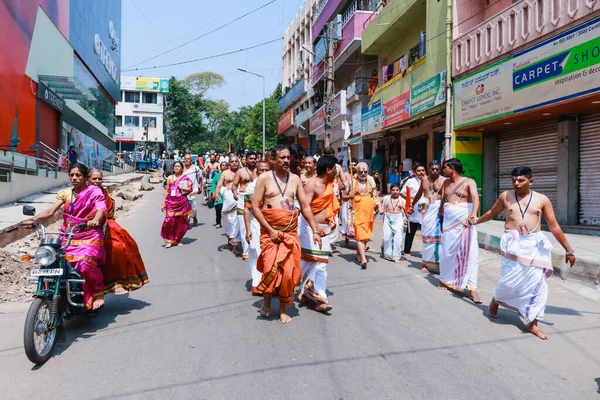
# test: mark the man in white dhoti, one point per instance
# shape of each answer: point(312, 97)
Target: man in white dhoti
point(459, 261)
point(229, 212)
point(526, 252)
point(252, 228)
point(431, 232)
point(346, 206)
point(243, 177)
point(193, 172)
point(409, 192)
point(393, 225)
point(314, 257)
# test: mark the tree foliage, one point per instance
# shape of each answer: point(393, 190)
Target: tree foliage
point(200, 123)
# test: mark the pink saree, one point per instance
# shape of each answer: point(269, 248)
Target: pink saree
point(87, 247)
point(177, 211)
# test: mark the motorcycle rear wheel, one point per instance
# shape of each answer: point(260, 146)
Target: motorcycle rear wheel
point(37, 339)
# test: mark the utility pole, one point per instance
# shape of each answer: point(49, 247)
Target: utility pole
point(329, 85)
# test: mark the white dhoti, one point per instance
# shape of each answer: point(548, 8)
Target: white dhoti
point(393, 236)
point(431, 234)
point(459, 261)
point(192, 202)
point(526, 267)
point(240, 233)
point(314, 262)
point(229, 213)
point(347, 228)
point(254, 251)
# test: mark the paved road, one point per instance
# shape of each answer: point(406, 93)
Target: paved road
point(194, 332)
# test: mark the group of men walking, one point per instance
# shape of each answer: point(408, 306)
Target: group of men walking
point(282, 213)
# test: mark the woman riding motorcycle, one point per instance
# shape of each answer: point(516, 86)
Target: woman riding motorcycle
point(83, 203)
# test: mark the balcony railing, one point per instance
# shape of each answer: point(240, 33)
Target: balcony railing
point(320, 6)
point(358, 5)
point(360, 86)
point(380, 4)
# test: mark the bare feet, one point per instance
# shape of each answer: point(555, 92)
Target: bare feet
point(424, 269)
point(533, 328)
point(244, 257)
point(283, 317)
point(441, 286)
point(99, 302)
point(119, 291)
point(169, 245)
point(217, 226)
point(474, 297)
point(493, 308)
point(363, 265)
point(346, 243)
point(323, 307)
point(397, 262)
point(179, 244)
point(265, 310)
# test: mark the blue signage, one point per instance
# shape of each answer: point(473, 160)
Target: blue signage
point(292, 95)
point(320, 51)
point(372, 117)
point(539, 72)
point(95, 34)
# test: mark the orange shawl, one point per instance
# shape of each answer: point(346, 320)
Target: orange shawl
point(280, 263)
point(329, 201)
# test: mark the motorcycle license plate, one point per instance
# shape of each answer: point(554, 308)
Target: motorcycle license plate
point(47, 272)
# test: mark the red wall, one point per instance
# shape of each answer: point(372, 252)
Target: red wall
point(27, 116)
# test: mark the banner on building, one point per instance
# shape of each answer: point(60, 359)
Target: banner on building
point(317, 120)
point(397, 110)
point(286, 121)
point(428, 94)
point(124, 134)
point(372, 118)
point(558, 69)
point(144, 84)
point(468, 148)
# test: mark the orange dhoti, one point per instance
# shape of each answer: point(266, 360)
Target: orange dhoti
point(280, 263)
point(364, 209)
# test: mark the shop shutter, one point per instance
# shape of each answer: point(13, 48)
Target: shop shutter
point(48, 125)
point(535, 147)
point(589, 170)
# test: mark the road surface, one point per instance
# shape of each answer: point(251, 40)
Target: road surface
point(194, 333)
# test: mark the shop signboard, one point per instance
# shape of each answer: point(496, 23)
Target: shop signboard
point(303, 116)
point(124, 134)
point(286, 121)
point(49, 96)
point(428, 94)
point(468, 148)
point(339, 107)
point(144, 84)
point(371, 118)
point(292, 95)
point(356, 118)
point(561, 68)
point(317, 120)
point(397, 110)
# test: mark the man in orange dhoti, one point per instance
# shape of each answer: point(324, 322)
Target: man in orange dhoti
point(366, 200)
point(324, 205)
point(273, 207)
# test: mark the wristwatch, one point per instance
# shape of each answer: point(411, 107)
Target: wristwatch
point(570, 253)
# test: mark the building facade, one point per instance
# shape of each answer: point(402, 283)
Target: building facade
point(294, 105)
point(61, 62)
point(406, 115)
point(527, 85)
point(140, 113)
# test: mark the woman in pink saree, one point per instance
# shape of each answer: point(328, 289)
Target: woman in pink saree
point(86, 204)
point(176, 207)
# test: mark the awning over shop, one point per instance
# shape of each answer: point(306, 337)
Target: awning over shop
point(67, 87)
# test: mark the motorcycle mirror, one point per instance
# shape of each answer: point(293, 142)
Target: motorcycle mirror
point(29, 210)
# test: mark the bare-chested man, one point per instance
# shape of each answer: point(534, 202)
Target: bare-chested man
point(309, 169)
point(324, 205)
point(298, 152)
point(459, 261)
point(526, 251)
point(229, 213)
point(346, 210)
point(212, 164)
point(392, 208)
point(273, 207)
point(243, 177)
point(431, 232)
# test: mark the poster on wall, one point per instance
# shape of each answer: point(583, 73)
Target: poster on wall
point(397, 110)
point(468, 148)
point(372, 117)
point(428, 94)
point(89, 152)
point(561, 68)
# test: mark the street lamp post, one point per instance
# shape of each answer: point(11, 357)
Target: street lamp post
point(264, 107)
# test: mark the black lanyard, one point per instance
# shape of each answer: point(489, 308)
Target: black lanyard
point(519, 203)
point(287, 179)
point(250, 175)
point(72, 205)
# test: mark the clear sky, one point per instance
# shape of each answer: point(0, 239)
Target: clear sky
point(150, 27)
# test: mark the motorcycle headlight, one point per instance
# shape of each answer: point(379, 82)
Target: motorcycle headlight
point(45, 256)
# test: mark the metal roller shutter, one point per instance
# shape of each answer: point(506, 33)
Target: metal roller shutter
point(589, 170)
point(535, 147)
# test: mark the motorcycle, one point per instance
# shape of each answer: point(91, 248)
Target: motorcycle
point(59, 292)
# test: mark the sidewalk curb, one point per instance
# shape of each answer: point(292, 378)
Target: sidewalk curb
point(15, 232)
point(585, 269)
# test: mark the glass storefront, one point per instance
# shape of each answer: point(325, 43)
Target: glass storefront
point(102, 109)
point(89, 152)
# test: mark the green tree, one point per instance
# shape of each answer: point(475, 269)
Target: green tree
point(183, 115)
point(202, 82)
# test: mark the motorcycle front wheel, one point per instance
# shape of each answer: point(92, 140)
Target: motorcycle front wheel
point(38, 340)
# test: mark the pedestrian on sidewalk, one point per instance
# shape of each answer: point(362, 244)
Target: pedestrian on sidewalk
point(459, 262)
point(526, 251)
